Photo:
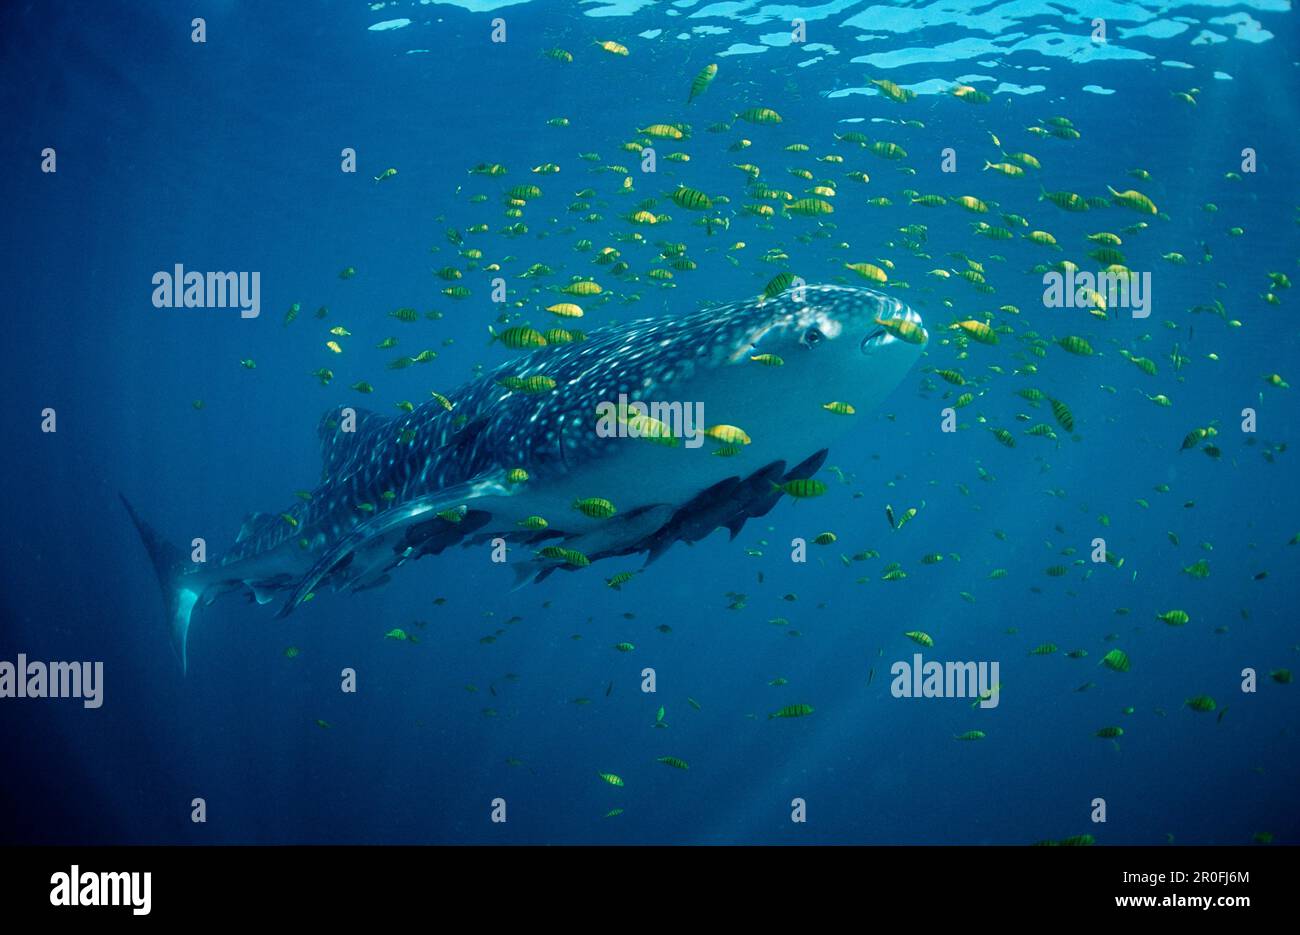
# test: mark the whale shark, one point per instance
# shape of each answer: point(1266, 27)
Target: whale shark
point(516, 460)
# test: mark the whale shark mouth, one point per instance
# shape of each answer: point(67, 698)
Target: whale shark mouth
point(882, 336)
point(873, 340)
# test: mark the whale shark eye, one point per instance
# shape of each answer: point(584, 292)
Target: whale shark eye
point(812, 337)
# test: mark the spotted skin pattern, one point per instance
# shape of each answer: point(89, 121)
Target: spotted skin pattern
point(547, 434)
point(394, 489)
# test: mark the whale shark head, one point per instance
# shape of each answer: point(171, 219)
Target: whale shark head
point(841, 342)
point(774, 367)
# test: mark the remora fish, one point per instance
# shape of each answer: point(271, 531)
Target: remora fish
point(449, 478)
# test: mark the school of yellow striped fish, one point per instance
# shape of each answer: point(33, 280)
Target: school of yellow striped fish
point(992, 363)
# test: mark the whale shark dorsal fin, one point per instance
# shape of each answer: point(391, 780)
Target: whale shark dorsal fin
point(344, 424)
point(341, 430)
point(387, 527)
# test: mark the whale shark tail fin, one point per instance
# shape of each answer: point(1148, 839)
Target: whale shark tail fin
point(169, 564)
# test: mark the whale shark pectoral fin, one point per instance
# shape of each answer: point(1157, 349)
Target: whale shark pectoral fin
point(525, 573)
point(253, 523)
point(396, 519)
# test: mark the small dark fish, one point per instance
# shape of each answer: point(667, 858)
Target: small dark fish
point(609, 689)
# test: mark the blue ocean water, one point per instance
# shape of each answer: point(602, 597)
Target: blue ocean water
point(225, 155)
